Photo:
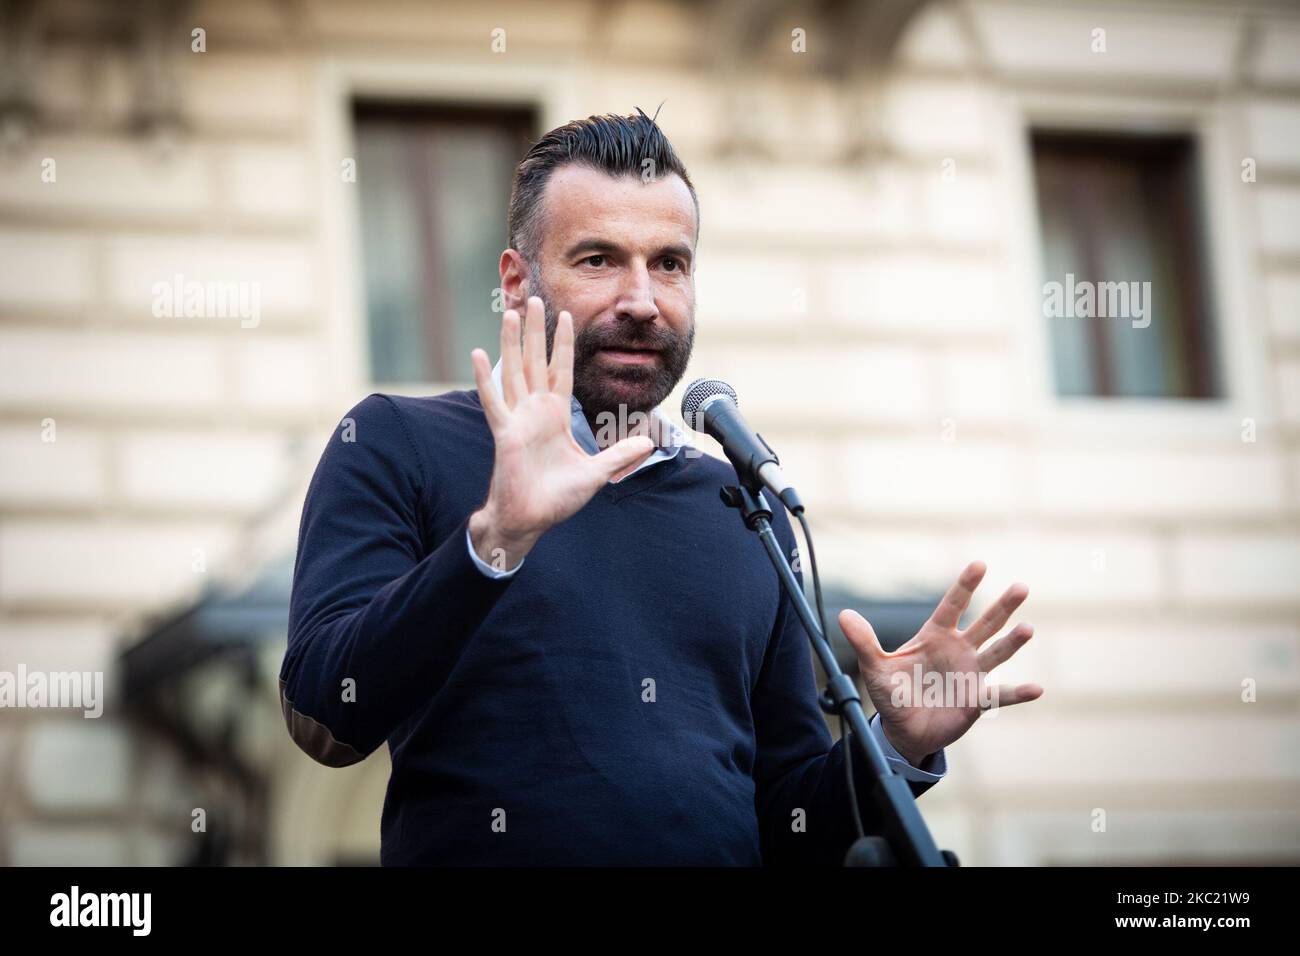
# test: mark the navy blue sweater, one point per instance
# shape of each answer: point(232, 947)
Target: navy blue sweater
point(639, 692)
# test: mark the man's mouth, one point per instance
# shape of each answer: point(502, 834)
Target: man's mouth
point(631, 356)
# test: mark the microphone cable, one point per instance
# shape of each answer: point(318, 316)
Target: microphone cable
point(846, 734)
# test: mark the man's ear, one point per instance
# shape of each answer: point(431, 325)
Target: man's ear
point(514, 281)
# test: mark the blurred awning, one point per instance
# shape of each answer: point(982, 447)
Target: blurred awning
point(203, 677)
point(236, 622)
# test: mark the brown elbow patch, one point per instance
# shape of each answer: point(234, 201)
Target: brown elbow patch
point(315, 739)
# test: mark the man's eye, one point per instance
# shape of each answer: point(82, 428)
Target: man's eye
point(596, 260)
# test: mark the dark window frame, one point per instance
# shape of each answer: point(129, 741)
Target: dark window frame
point(519, 118)
point(1182, 191)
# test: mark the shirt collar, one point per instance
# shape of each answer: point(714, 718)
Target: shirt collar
point(671, 438)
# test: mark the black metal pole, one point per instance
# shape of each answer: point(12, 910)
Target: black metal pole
point(904, 830)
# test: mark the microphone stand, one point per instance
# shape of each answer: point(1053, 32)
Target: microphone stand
point(906, 838)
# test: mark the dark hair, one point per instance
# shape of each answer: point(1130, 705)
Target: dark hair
point(618, 145)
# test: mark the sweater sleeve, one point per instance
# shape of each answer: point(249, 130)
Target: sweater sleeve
point(801, 795)
point(377, 620)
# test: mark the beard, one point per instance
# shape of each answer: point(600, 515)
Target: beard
point(600, 387)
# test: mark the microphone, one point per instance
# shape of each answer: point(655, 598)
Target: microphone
point(711, 406)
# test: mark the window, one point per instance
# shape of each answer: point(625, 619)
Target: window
point(434, 187)
point(1126, 288)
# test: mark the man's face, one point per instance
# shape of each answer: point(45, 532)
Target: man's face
point(619, 255)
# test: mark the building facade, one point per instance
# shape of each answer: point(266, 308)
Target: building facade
point(222, 224)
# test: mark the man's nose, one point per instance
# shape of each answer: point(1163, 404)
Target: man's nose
point(637, 299)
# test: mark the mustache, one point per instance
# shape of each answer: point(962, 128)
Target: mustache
point(591, 340)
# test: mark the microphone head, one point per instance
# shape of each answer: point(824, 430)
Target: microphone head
point(698, 393)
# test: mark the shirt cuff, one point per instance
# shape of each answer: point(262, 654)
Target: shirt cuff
point(936, 763)
point(484, 566)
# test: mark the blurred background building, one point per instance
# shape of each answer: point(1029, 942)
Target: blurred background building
point(886, 188)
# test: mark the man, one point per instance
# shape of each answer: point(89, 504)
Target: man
point(576, 653)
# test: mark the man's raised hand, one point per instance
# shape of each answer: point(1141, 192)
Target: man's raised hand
point(915, 725)
point(540, 475)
